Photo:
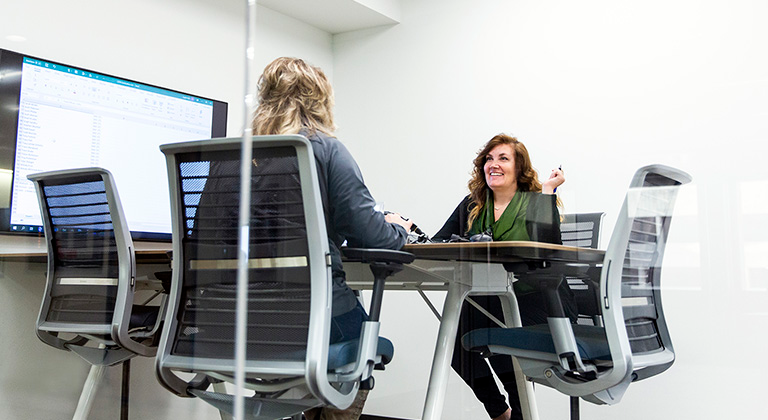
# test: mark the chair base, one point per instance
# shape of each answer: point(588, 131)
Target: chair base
point(89, 391)
point(101, 356)
point(125, 390)
point(575, 408)
point(257, 408)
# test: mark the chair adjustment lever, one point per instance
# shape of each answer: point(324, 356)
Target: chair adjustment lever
point(576, 368)
point(201, 381)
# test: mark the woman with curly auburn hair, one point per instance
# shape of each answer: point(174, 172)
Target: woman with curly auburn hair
point(525, 176)
point(506, 202)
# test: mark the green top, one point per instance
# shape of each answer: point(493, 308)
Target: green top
point(511, 226)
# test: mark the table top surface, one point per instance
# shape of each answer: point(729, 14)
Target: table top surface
point(504, 251)
point(33, 249)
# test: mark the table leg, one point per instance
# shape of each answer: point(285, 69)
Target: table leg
point(524, 388)
point(441, 363)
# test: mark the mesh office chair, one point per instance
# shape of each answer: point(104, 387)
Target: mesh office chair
point(88, 306)
point(289, 282)
point(583, 229)
point(598, 363)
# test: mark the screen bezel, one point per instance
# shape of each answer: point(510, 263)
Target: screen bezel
point(10, 95)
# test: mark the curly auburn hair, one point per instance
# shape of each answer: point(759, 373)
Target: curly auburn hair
point(293, 95)
point(527, 177)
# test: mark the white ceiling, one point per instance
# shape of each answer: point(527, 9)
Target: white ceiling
point(336, 16)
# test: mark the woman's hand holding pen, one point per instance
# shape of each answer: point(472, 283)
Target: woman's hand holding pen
point(556, 178)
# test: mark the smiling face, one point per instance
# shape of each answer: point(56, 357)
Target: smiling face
point(499, 168)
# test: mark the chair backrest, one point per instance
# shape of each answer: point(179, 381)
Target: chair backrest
point(91, 268)
point(581, 229)
point(630, 284)
point(289, 296)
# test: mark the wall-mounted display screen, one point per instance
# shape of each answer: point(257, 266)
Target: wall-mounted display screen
point(56, 116)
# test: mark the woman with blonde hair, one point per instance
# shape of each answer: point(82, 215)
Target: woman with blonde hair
point(506, 202)
point(296, 98)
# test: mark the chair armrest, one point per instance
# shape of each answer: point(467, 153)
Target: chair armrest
point(372, 255)
point(384, 263)
point(566, 348)
point(549, 284)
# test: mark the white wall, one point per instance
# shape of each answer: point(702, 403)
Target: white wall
point(195, 46)
point(601, 87)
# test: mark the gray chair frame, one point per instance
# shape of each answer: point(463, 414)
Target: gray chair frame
point(651, 197)
point(310, 376)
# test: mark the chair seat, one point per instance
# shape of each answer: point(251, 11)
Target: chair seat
point(345, 352)
point(591, 340)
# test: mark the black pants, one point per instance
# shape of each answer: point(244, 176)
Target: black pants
point(471, 366)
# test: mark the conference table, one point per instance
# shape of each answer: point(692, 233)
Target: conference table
point(464, 269)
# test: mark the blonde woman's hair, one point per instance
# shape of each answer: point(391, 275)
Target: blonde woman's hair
point(293, 95)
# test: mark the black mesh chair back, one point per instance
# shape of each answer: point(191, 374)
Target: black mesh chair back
point(88, 302)
point(85, 262)
point(583, 230)
point(289, 277)
point(279, 283)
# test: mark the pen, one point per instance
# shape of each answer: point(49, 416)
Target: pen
point(559, 168)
